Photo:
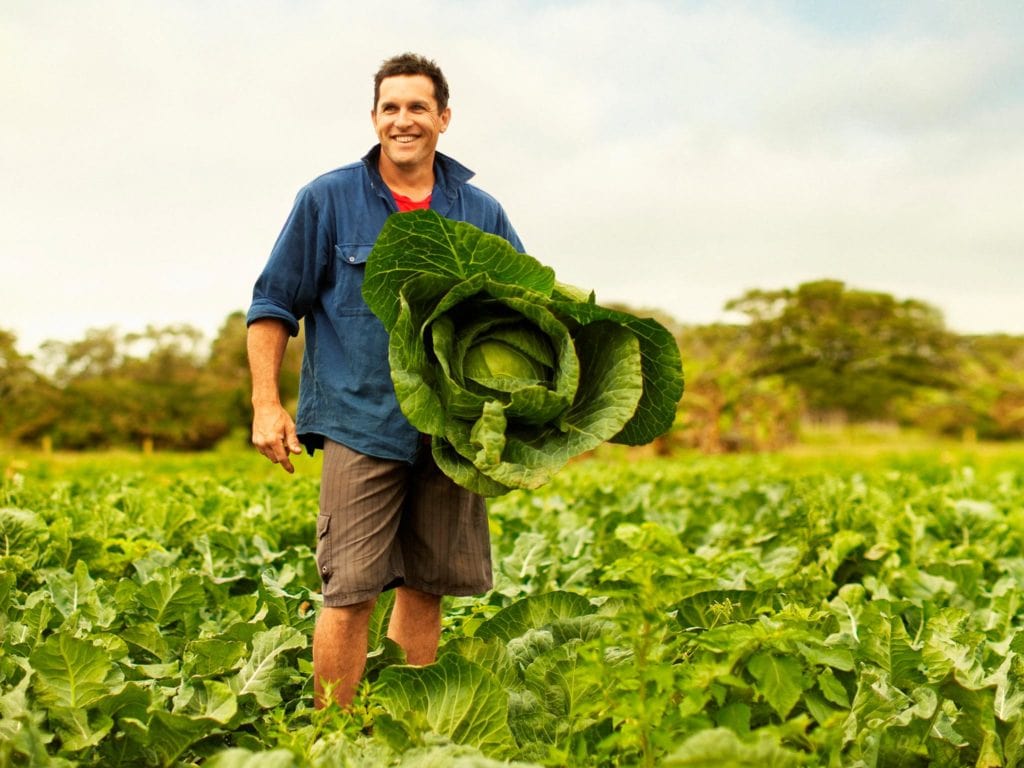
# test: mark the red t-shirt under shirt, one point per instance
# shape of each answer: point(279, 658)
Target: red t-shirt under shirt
point(406, 204)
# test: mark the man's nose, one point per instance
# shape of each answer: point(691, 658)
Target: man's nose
point(404, 117)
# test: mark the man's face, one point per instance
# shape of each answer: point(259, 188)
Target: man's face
point(407, 120)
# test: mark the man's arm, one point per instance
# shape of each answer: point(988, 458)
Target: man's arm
point(273, 431)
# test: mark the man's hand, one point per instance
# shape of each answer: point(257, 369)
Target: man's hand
point(273, 431)
point(273, 434)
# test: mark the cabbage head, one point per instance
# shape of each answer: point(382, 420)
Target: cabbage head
point(510, 372)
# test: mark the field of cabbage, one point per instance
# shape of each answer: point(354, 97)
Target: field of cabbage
point(694, 611)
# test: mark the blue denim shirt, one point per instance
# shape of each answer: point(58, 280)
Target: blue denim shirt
point(315, 273)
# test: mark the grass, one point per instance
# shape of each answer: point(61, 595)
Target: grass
point(822, 447)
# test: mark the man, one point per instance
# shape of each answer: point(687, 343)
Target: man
point(388, 517)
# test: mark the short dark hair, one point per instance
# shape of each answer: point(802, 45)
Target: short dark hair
point(412, 64)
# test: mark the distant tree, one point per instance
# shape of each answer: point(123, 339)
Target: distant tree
point(988, 398)
point(28, 398)
point(16, 378)
point(725, 407)
point(849, 351)
point(1001, 358)
point(226, 376)
point(164, 370)
point(98, 354)
point(135, 389)
point(72, 417)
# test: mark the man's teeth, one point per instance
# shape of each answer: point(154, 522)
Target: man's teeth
point(405, 139)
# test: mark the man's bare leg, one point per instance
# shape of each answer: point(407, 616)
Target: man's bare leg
point(339, 651)
point(416, 624)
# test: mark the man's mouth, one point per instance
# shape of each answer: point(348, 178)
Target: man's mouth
point(405, 139)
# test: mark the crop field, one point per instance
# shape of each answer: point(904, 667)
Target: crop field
point(693, 611)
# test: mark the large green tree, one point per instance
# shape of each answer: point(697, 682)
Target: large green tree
point(726, 407)
point(139, 388)
point(29, 399)
point(988, 400)
point(850, 351)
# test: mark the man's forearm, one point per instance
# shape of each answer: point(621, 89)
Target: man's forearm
point(265, 343)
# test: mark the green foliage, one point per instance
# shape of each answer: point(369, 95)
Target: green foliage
point(510, 373)
point(822, 346)
point(988, 399)
point(158, 389)
point(729, 611)
point(848, 350)
point(729, 404)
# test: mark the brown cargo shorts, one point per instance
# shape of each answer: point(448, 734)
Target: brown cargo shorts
point(386, 523)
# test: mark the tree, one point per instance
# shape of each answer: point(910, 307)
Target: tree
point(725, 407)
point(988, 399)
point(849, 351)
point(164, 370)
point(99, 354)
point(28, 398)
point(16, 377)
point(140, 388)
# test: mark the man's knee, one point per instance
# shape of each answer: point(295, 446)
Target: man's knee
point(345, 615)
point(411, 594)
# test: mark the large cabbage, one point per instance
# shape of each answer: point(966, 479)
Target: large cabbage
point(511, 373)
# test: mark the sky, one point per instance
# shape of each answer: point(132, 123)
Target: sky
point(669, 155)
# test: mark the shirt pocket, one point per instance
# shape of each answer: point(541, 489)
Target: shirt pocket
point(349, 266)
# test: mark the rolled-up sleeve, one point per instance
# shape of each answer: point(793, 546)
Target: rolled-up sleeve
point(287, 288)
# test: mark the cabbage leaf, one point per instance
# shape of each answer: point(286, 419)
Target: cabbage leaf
point(510, 372)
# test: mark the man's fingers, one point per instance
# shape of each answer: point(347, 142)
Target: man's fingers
point(274, 436)
point(291, 439)
point(279, 455)
point(278, 452)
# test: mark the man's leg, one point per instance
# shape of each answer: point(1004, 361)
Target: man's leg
point(360, 506)
point(416, 624)
point(339, 651)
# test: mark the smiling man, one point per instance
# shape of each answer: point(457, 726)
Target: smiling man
point(388, 519)
point(409, 119)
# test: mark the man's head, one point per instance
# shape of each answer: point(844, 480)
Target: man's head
point(410, 112)
point(412, 64)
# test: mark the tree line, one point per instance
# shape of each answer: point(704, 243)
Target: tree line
point(165, 387)
point(827, 352)
point(820, 351)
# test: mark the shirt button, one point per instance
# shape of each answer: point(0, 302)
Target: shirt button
point(351, 258)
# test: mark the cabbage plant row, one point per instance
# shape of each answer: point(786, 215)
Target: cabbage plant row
point(706, 612)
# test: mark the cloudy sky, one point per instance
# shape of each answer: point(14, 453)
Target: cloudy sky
point(666, 154)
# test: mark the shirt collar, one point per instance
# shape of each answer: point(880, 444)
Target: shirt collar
point(449, 174)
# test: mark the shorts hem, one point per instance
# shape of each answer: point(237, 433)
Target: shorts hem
point(347, 599)
point(361, 596)
point(458, 590)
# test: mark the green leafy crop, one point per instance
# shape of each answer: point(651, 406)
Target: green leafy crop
point(721, 611)
point(511, 373)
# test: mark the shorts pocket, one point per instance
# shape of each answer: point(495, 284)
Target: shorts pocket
point(323, 547)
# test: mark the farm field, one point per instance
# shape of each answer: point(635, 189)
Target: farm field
point(831, 607)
